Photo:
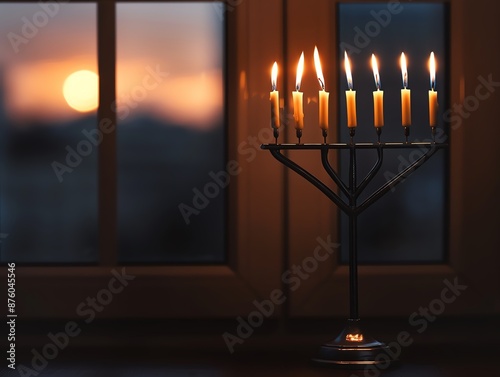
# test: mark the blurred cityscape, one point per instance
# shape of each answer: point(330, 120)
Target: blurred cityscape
point(165, 149)
point(159, 164)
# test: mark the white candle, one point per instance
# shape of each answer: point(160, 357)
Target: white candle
point(378, 97)
point(433, 100)
point(275, 98)
point(323, 94)
point(405, 95)
point(350, 95)
point(298, 96)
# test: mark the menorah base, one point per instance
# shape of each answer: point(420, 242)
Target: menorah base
point(353, 349)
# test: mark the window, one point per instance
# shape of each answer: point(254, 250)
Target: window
point(273, 217)
point(48, 176)
point(217, 265)
point(389, 287)
point(409, 224)
point(170, 112)
point(171, 133)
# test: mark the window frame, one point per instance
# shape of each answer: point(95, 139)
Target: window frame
point(385, 289)
point(267, 196)
point(188, 291)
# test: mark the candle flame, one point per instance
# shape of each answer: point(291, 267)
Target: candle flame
point(376, 74)
point(274, 76)
point(348, 70)
point(432, 69)
point(319, 71)
point(300, 71)
point(404, 71)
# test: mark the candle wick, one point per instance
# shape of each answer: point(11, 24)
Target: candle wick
point(378, 82)
point(321, 83)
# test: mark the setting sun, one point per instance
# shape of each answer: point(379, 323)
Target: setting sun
point(81, 91)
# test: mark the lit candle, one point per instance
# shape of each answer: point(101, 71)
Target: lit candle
point(298, 96)
point(323, 95)
point(433, 100)
point(350, 95)
point(275, 98)
point(405, 95)
point(378, 97)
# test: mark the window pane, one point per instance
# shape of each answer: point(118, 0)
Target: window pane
point(48, 181)
point(170, 106)
point(408, 224)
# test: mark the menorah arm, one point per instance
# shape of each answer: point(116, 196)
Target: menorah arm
point(400, 177)
point(331, 172)
point(312, 179)
point(371, 174)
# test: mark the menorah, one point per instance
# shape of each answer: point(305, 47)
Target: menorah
point(353, 348)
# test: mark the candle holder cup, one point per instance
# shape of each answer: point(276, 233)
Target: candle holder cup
point(325, 135)
point(407, 133)
point(298, 132)
point(379, 133)
point(276, 134)
point(353, 348)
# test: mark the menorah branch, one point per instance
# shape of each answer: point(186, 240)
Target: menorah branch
point(397, 179)
point(312, 179)
point(332, 173)
point(373, 172)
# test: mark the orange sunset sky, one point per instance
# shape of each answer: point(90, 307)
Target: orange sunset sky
point(183, 40)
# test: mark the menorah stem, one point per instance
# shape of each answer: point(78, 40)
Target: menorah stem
point(353, 229)
point(353, 268)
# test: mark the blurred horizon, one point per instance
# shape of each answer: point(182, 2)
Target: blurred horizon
point(146, 34)
point(171, 134)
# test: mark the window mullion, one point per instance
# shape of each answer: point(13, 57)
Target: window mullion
point(107, 184)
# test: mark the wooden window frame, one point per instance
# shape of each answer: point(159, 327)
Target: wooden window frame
point(189, 291)
point(275, 217)
point(385, 290)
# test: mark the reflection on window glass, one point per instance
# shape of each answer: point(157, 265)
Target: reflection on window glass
point(171, 132)
point(48, 100)
point(408, 224)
